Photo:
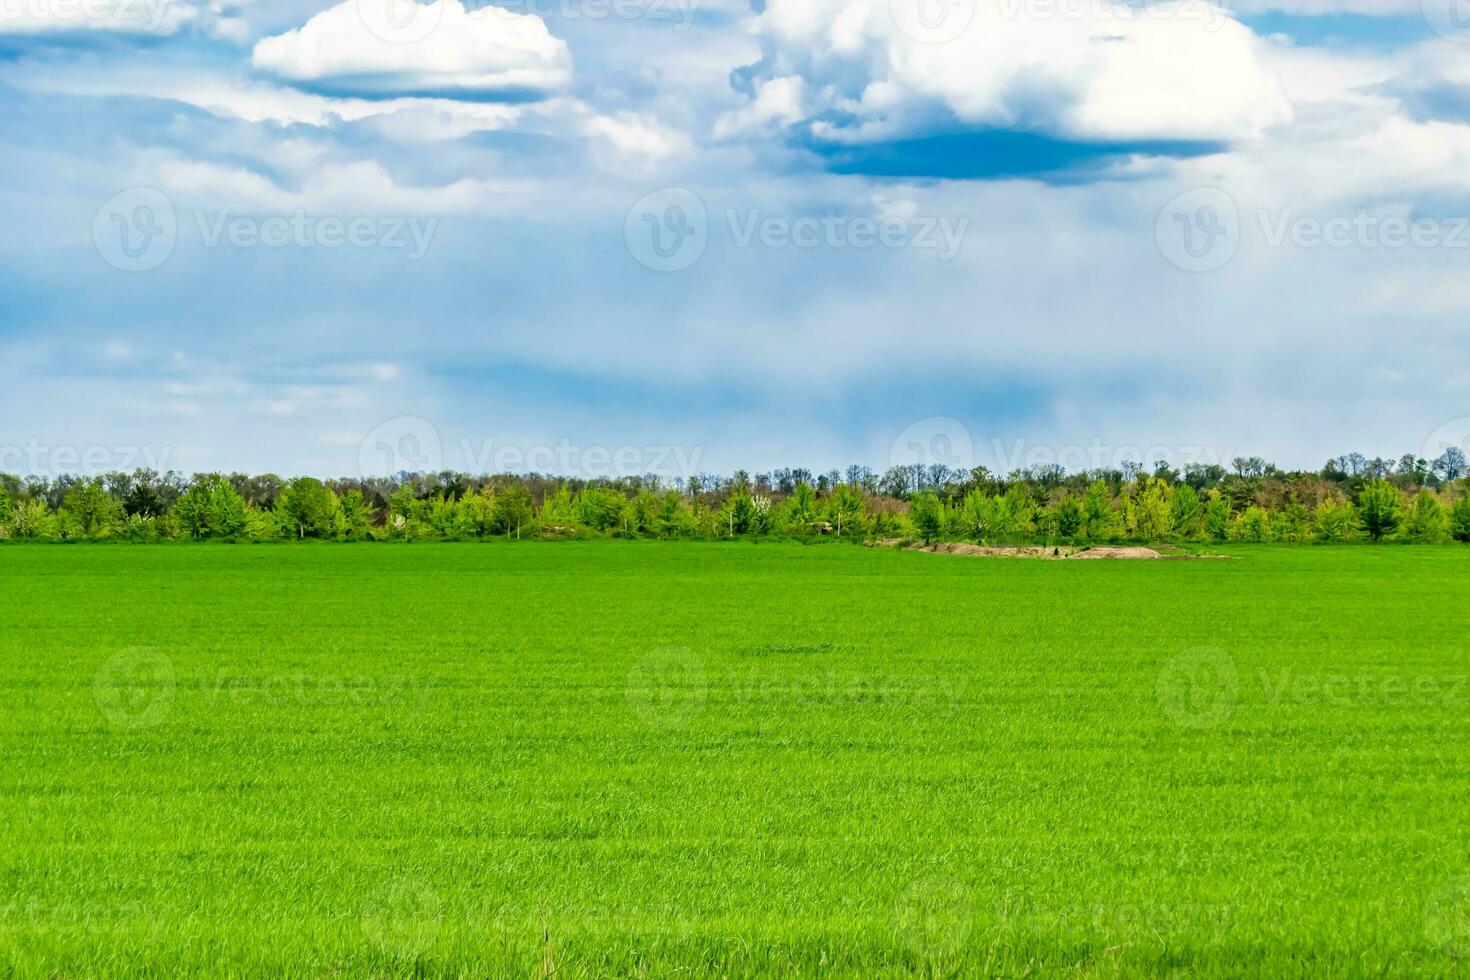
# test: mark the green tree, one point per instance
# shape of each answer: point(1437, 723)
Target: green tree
point(976, 516)
point(1153, 515)
point(1253, 525)
point(1017, 511)
point(92, 508)
point(308, 508)
point(211, 508)
point(355, 514)
point(1379, 510)
point(927, 513)
point(1068, 517)
point(512, 509)
point(1185, 511)
point(802, 506)
point(191, 511)
point(1099, 520)
point(226, 510)
point(740, 513)
point(673, 517)
point(31, 519)
point(403, 503)
point(1460, 518)
point(1217, 516)
point(846, 510)
point(1334, 519)
point(1426, 522)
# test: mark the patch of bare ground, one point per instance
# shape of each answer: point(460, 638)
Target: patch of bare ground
point(1118, 553)
point(1049, 552)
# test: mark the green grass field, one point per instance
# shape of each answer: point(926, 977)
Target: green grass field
point(639, 759)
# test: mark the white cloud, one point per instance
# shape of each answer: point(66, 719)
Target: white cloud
point(1096, 70)
point(460, 52)
point(778, 101)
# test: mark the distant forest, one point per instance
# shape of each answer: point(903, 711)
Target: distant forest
point(1350, 498)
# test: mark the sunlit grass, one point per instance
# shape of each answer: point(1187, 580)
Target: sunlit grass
point(610, 759)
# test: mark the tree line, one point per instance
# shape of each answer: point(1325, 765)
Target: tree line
point(1350, 498)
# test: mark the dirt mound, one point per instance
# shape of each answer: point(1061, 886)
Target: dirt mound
point(1048, 552)
point(984, 551)
point(1118, 553)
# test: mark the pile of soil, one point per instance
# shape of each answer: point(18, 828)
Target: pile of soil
point(1107, 553)
point(1118, 553)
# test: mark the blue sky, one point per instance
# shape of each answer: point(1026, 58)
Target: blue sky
point(284, 235)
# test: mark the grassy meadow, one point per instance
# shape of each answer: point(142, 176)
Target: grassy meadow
point(643, 759)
